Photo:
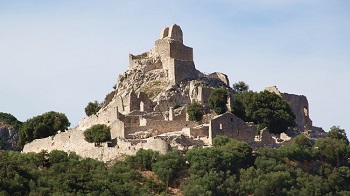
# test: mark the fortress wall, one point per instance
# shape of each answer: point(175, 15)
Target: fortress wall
point(130, 121)
point(200, 132)
point(181, 116)
point(133, 61)
point(139, 102)
point(230, 125)
point(147, 103)
point(105, 116)
point(73, 140)
point(131, 130)
point(181, 70)
point(181, 52)
point(162, 48)
point(160, 126)
point(221, 77)
point(204, 94)
point(117, 129)
point(300, 107)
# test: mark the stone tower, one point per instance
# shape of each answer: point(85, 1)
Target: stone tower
point(176, 58)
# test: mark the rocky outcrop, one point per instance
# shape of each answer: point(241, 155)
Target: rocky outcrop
point(8, 137)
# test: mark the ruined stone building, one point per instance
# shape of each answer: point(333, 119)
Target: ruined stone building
point(148, 107)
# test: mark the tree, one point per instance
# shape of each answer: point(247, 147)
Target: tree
point(10, 119)
point(92, 108)
point(220, 140)
point(143, 159)
point(218, 99)
point(97, 134)
point(240, 87)
point(42, 126)
point(168, 166)
point(337, 133)
point(265, 109)
point(195, 112)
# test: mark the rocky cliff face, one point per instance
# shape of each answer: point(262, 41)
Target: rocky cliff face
point(8, 137)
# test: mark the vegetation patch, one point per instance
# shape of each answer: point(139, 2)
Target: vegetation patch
point(42, 126)
point(195, 112)
point(92, 108)
point(97, 134)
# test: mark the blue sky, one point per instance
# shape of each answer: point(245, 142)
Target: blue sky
point(59, 55)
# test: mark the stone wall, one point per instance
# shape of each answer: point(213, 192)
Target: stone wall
point(221, 76)
point(158, 126)
point(105, 116)
point(117, 129)
point(134, 60)
point(202, 131)
point(73, 141)
point(230, 125)
point(181, 70)
point(181, 52)
point(173, 32)
point(300, 107)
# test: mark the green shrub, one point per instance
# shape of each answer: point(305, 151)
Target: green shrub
point(92, 108)
point(217, 100)
point(42, 126)
point(195, 112)
point(97, 134)
point(10, 119)
point(265, 109)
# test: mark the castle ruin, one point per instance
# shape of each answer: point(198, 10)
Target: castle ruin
point(148, 107)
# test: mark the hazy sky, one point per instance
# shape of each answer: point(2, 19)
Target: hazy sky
point(59, 55)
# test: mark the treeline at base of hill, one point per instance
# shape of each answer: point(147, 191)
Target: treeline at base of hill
point(229, 167)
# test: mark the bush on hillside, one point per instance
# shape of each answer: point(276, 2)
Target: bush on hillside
point(217, 100)
point(92, 108)
point(42, 126)
point(97, 134)
point(195, 112)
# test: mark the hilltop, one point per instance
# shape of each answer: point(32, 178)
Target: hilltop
point(148, 109)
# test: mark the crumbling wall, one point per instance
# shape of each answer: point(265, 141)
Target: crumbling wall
point(264, 139)
point(173, 32)
point(145, 61)
point(159, 126)
point(117, 129)
point(180, 70)
point(300, 107)
point(221, 76)
point(73, 141)
point(201, 131)
point(105, 116)
point(230, 125)
point(139, 102)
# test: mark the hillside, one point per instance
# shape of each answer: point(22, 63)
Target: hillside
point(148, 109)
